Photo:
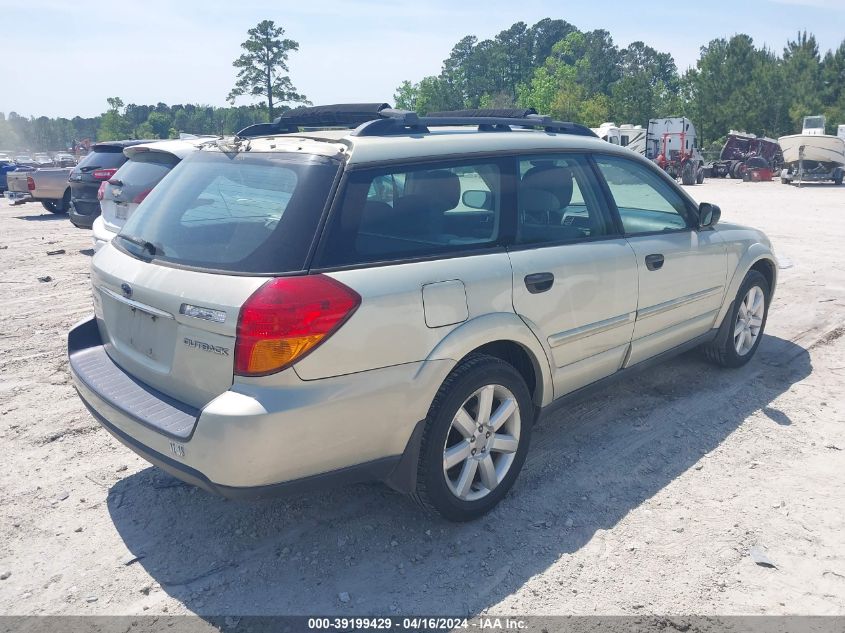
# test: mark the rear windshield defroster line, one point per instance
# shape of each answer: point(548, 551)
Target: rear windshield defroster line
point(250, 212)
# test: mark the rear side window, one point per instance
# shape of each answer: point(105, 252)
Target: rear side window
point(414, 212)
point(646, 202)
point(99, 159)
point(246, 212)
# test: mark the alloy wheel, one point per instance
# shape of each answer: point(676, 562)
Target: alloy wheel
point(481, 443)
point(749, 320)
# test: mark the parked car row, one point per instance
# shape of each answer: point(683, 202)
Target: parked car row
point(105, 188)
point(397, 301)
point(41, 159)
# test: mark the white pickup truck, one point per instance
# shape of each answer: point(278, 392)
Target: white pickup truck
point(48, 186)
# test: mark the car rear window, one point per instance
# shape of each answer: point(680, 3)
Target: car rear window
point(233, 212)
point(99, 159)
point(146, 169)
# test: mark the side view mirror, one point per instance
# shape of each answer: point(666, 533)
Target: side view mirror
point(477, 199)
point(708, 214)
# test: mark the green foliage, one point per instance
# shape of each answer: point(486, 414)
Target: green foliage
point(119, 122)
point(584, 76)
point(406, 96)
point(261, 67)
point(113, 124)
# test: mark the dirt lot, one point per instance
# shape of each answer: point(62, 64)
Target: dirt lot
point(644, 499)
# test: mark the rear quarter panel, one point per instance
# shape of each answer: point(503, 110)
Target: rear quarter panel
point(389, 327)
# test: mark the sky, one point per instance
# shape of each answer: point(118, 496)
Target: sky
point(76, 54)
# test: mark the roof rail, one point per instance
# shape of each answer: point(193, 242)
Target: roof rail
point(397, 122)
point(501, 113)
point(340, 115)
point(379, 119)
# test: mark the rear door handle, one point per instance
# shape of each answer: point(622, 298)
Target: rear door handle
point(654, 262)
point(539, 282)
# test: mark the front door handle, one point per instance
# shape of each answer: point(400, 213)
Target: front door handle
point(654, 262)
point(539, 282)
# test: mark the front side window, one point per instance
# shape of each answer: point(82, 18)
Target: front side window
point(402, 213)
point(558, 201)
point(646, 202)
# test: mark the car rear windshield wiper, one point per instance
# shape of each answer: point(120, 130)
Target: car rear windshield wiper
point(151, 248)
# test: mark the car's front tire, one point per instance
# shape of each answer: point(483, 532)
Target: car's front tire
point(475, 439)
point(742, 330)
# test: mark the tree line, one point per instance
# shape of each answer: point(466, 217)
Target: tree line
point(584, 76)
point(552, 66)
point(122, 121)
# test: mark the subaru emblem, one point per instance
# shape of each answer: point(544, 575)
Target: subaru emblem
point(127, 290)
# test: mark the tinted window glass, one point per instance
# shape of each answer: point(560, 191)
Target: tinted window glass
point(646, 202)
point(558, 201)
point(104, 160)
point(144, 171)
point(245, 212)
point(416, 212)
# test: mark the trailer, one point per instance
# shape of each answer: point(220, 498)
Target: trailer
point(671, 144)
point(812, 156)
point(626, 135)
point(739, 148)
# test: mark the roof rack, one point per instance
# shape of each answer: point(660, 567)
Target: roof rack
point(339, 115)
point(379, 119)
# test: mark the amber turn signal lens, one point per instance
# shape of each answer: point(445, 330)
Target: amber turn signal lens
point(268, 355)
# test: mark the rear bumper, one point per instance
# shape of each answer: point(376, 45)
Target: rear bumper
point(259, 440)
point(82, 213)
point(17, 197)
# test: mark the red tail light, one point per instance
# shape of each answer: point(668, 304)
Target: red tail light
point(103, 174)
point(30, 183)
point(287, 318)
point(101, 191)
point(140, 197)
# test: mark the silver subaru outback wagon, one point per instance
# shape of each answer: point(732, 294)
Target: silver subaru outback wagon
point(397, 298)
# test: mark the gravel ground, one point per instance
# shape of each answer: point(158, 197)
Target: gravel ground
point(644, 499)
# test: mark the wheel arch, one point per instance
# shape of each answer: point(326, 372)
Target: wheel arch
point(758, 257)
point(505, 336)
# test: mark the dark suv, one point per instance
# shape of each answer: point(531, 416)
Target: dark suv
point(97, 167)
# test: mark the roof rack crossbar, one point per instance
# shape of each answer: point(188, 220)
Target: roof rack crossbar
point(339, 115)
point(379, 119)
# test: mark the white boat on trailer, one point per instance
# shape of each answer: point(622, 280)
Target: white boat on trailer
point(812, 156)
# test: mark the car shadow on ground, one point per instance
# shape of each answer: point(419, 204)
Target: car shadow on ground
point(42, 217)
point(367, 550)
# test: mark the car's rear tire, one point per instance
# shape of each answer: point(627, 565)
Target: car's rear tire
point(742, 330)
point(58, 207)
point(475, 440)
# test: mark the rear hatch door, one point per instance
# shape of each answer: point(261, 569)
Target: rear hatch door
point(132, 183)
point(172, 329)
point(97, 167)
point(169, 287)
